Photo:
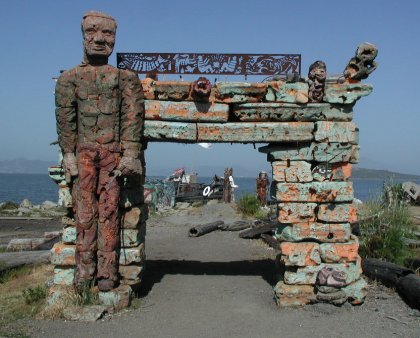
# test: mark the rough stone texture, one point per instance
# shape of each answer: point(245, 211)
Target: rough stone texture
point(315, 192)
point(280, 91)
point(186, 111)
point(131, 272)
point(340, 252)
point(63, 275)
point(293, 295)
point(118, 298)
point(148, 88)
point(322, 232)
point(132, 237)
point(296, 171)
point(356, 291)
point(87, 313)
point(337, 213)
point(235, 92)
point(346, 93)
point(57, 293)
point(170, 131)
point(284, 152)
point(341, 171)
point(172, 90)
point(340, 132)
point(69, 235)
point(308, 274)
point(257, 132)
point(335, 152)
point(296, 212)
point(300, 254)
point(63, 254)
point(134, 216)
point(132, 255)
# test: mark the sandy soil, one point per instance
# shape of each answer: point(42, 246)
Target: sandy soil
point(220, 285)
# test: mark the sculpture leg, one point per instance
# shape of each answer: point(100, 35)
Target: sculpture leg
point(86, 212)
point(108, 227)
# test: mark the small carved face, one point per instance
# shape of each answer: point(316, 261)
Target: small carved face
point(99, 36)
point(318, 71)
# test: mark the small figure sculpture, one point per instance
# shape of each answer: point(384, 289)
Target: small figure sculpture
point(316, 80)
point(201, 89)
point(262, 184)
point(227, 188)
point(360, 66)
point(100, 113)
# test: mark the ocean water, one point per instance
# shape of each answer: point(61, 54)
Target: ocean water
point(38, 187)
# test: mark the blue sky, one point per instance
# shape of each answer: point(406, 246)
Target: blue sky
point(41, 37)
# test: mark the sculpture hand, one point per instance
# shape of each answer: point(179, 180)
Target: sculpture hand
point(70, 166)
point(129, 165)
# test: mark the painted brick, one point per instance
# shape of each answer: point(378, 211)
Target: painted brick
point(335, 152)
point(169, 131)
point(341, 132)
point(285, 112)
point(119, 298)
point(356, 291)
point(172, 90)
point(346, 92)
point(186, 111)
point(300, 152)
point(322, 232)
point(255, 132)
point(132, 237)
point(69, 235)
point(293, 295)
point(63, 275)
point(341, 171)
point(288, 171)
point(131, 272)
point(296, 212)
point(300, 254)
point(63, 254)
point(236, 92)
point(135, 255)
point(340, 252)
point(308, 274)
point(148, 88)
point(337, 213)
point(280, 91)
point(315, 192)
point(134, 216)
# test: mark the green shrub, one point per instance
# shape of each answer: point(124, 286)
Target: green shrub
point(8, 205)
point(249, 205)
point(34, 295)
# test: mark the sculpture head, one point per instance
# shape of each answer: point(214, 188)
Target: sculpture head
point(98, 31)
point(318, 71)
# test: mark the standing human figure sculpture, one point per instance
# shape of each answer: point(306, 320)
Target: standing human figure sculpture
point(262, 184)
point(100, 113)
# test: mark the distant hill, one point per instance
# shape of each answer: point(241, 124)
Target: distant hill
point(383, 175)
point(24, 166)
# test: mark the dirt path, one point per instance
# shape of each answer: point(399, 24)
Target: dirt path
point(220, 285)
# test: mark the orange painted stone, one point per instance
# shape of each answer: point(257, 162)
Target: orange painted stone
point(293, 295)
point(337, 213)
point(300, 254)
point(63, 254)
point(148, 88)
point(315, 192)
point(341, 171)
point(322, 232)
point(292, 171)
point(134, 216)
point(296, 212)
point(340, 252)
point(131, 272)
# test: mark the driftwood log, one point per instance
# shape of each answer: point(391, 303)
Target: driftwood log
point(261, 227)
point(409, 289)
point(203, 229)
point(271, 241)
point(236, 226)
point(387, 273)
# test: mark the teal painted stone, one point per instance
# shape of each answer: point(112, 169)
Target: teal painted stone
point(132, 237)
point(163, 131)
point(356, 291)
point(69, 235)
point(346, 93)
point(321, 232)
point(294, 152)
point(308, 274)
point(134, 255)
point(256, 132)
point(315, 192)
point(172, 90)
point(335, 152)
point(119, 298)
point(235, 92)
point(63, 254)
point(296, 212)
point(343, 132)
point(296, 171)
point(63, 275)
point(279, 91)
point(340, 252)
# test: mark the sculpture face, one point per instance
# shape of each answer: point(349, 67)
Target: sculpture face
point(99, 37)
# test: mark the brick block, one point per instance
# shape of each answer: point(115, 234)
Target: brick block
point(322, 232)
point(186, 111)
point(293, 295)
point(356, 291)
point(340, 252)
point(172, 90)
point(292, 171)
point(337, 213)
point(63, 254)
point(308, 274)
point(301, 152)
point(131, 272)
point(69, 235)
point(300, 254)
point(169, 131)
point(132, 237)
point(63, 275)
point(255, 132)
point(134, 216)
point(340, 132)
point(236, 92)
point(148, 88)
point(118, 299)
point(315, 192)
point(135, 255)
point(280, 91)
point(335, 152)
point(346, 93)
point(296, 212)
point(341, 171)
